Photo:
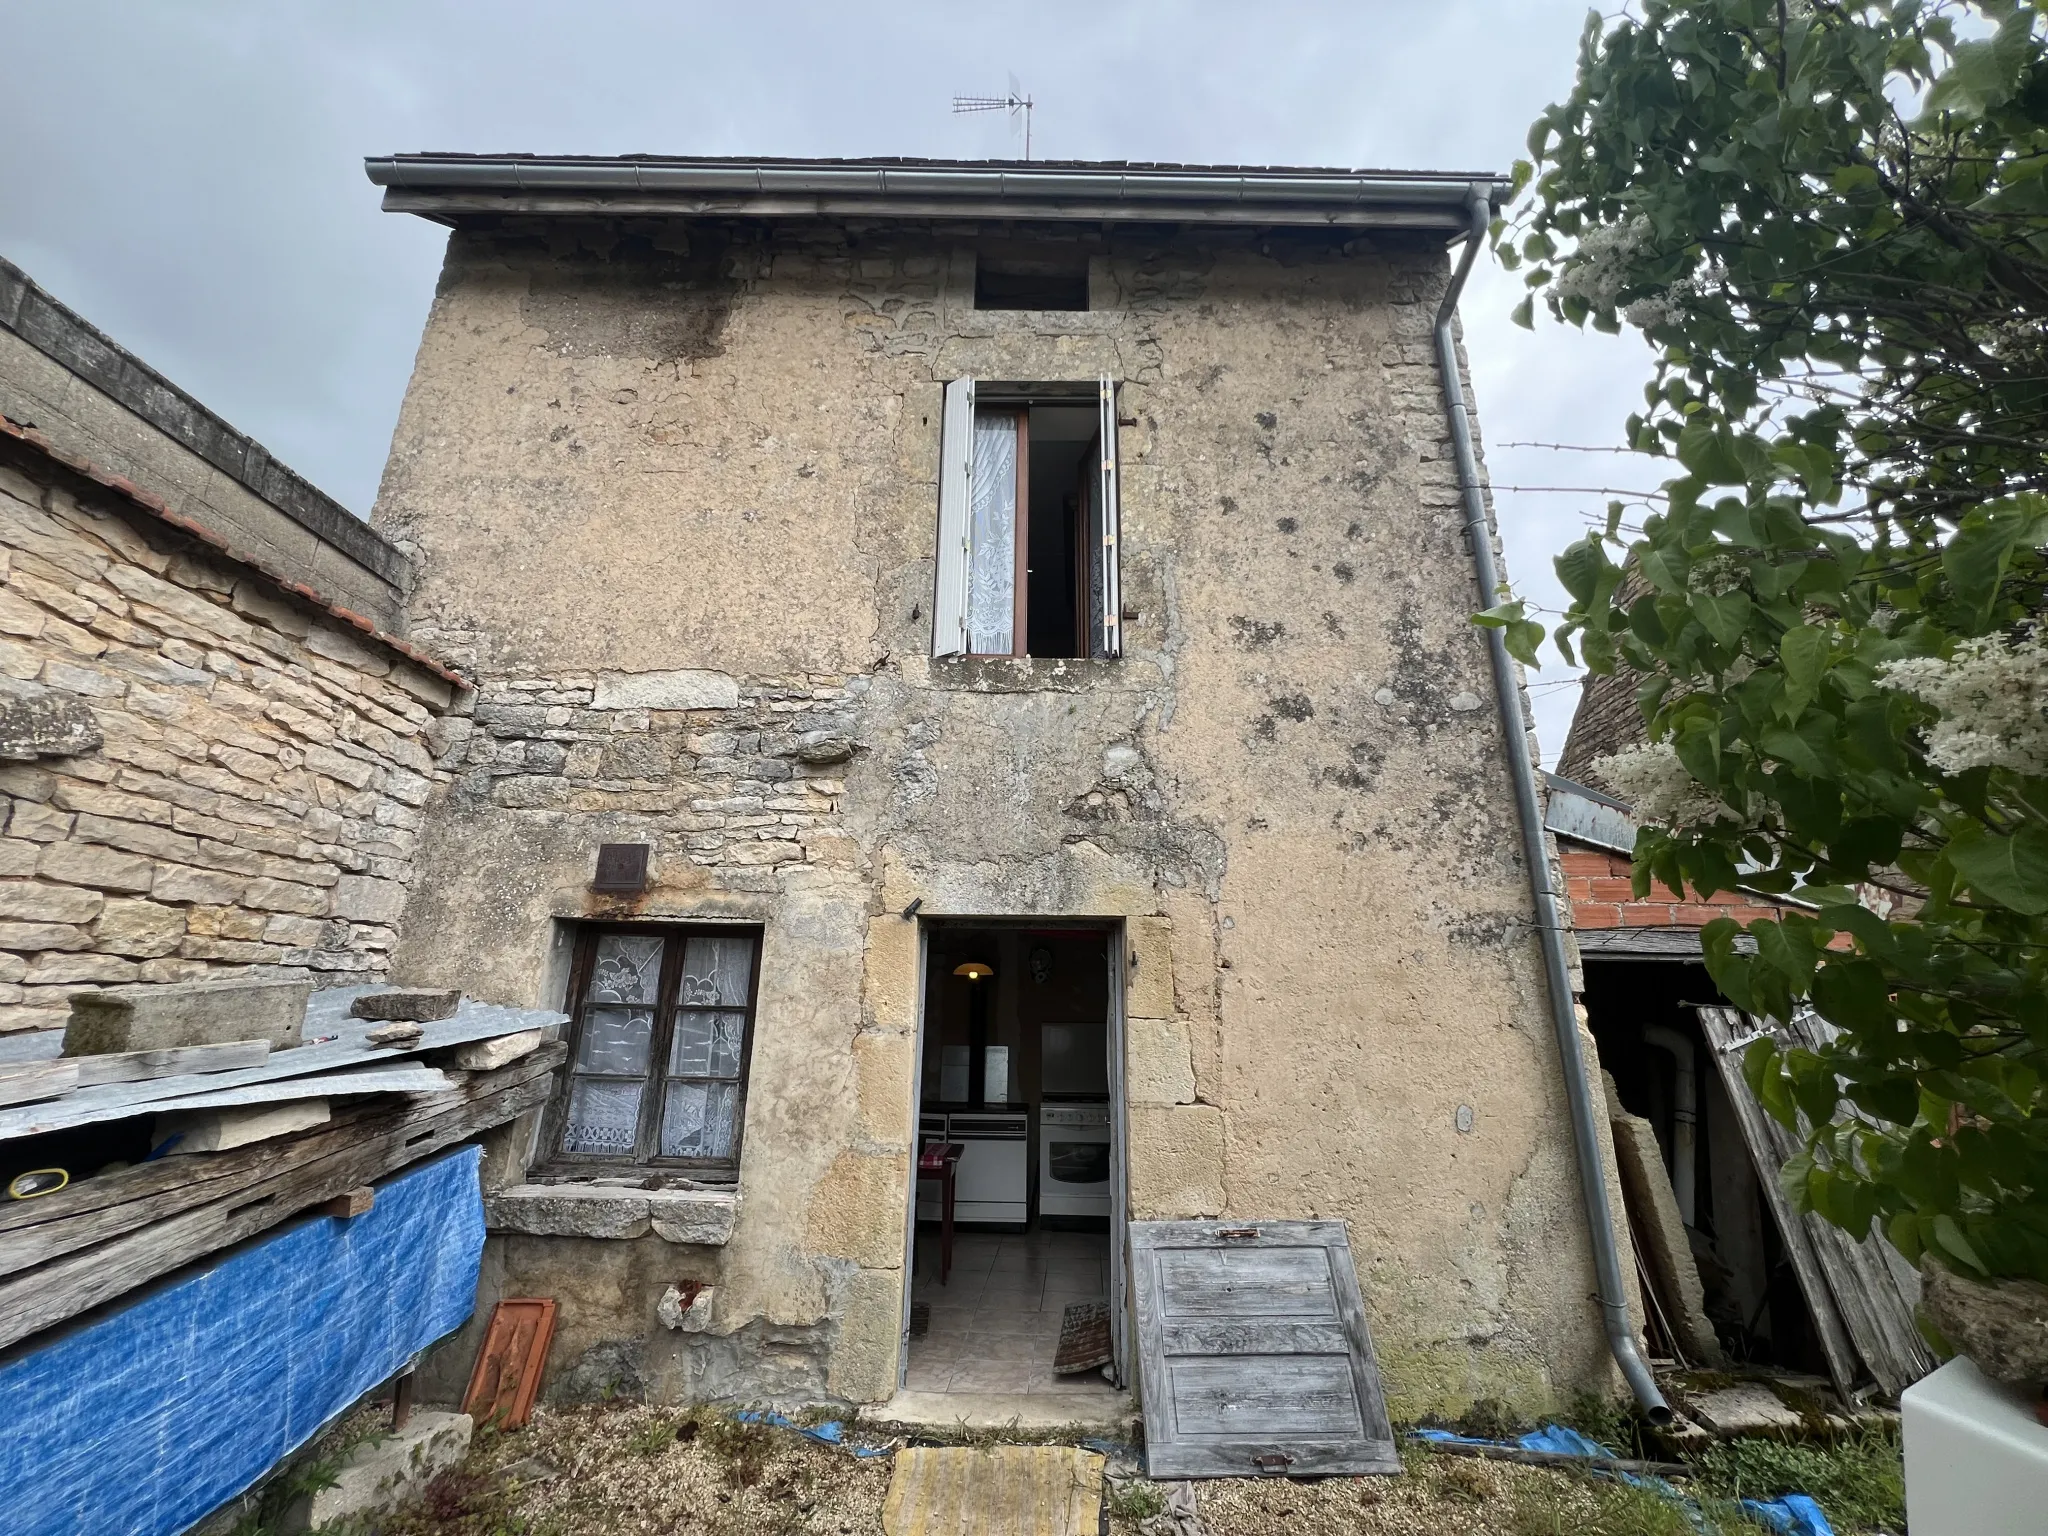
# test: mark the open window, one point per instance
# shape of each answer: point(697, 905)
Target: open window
point(1028, 521)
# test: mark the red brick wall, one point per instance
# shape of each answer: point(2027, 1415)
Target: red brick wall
point(1603, 896)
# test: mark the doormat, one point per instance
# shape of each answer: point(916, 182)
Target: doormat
point(920, 1319)
point(1084, 1338)
point(998, 1490)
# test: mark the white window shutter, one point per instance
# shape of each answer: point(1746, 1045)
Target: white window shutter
point(956, 449)
point(1108, 638)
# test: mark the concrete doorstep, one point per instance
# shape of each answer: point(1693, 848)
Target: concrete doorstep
point(381, 1474)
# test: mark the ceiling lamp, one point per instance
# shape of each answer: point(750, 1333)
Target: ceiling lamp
point(974, 970)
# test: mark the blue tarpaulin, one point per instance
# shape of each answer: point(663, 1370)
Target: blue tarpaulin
point(148, 1419)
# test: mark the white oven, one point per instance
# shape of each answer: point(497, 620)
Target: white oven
point(1073, 1160)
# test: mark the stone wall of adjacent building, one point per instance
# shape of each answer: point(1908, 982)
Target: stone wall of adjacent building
point(249, 770)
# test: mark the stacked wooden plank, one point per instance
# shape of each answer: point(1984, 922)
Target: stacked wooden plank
point(355, 1112)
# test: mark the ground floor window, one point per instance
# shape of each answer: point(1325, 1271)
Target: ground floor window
point(662, 1022)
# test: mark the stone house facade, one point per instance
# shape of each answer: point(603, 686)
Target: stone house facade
point(672, 472)
point(211, 766)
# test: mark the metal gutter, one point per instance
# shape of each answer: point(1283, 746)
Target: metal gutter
point(569, 185)
point(1507, 693)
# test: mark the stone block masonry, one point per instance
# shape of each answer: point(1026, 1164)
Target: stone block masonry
point(256, 797)
point(712, 775)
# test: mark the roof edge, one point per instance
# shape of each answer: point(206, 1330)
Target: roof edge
point(1094, 191)
point(72, 342)
point(156, 507)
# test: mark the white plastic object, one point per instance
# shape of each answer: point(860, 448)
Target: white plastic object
point(1976, 1458)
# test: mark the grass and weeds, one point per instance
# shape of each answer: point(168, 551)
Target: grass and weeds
point(1860, 1479)
point(599, 1470)
point(317, 1467)
point(1133, 1499)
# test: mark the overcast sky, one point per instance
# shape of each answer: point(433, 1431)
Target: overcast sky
point(187, 174)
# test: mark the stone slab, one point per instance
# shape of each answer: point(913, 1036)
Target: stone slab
point(35, 722)
point(694, 1216)
point(1746, 1408)
point(156, 1018)
point(489, 1055)
point(584, 1210)
point(995, 1490)
point(667, 690)
point(1654, 1206)
point(1107, 1410)
point(417, 1006)
point(219, 1130)
point(380, 1475)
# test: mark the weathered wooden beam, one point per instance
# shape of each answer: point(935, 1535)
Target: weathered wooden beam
point(357, 1202)
point(34, 1299)
point(34, 1231)
point(27, 1081)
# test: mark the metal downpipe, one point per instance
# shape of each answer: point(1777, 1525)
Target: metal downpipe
point(1507, 694)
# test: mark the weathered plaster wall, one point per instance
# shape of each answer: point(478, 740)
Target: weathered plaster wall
point(713, 453)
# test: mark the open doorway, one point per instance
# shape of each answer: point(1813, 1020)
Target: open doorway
point(1643, 1016)
point(1017, 1115)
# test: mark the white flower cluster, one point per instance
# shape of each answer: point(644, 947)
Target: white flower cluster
point(1654, 783)
point(1600, 267)
point(1653, 310)
point(1992, 696)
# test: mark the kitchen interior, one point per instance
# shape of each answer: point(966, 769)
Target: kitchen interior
point(1015, 1078)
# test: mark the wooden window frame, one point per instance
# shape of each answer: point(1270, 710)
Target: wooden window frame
point(646, 1156)
point(1099, 637)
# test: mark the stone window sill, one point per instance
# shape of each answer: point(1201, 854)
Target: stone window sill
point(702, 1217)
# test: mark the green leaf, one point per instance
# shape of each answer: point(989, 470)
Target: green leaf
point(1804, 654)
point(1852, 993)
point(1950, 1237)
point(2011, 871)
point(1524, 313)
point(1708, 452)
point(1978, 553)
point(1729, 970)
point(1725, 614)
point(1587, 573)
point(1787, 948)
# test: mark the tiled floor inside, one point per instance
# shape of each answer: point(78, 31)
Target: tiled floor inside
point(995, 1323)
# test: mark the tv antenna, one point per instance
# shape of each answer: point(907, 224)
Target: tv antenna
point(1015, 103)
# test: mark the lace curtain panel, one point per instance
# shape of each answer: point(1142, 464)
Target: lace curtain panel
point(992, 536)
point(705, 1048)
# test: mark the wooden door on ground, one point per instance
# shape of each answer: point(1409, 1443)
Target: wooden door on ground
point(1253, 1351)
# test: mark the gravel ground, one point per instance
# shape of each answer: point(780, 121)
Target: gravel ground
point(632, 1469)
point(1435, 1496)
point(611, 1471)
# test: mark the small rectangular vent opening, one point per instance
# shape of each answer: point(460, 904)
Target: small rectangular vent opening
point(621, 867)
point(1056, 283)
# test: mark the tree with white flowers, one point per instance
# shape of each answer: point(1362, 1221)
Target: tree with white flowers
point(1830, 220)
